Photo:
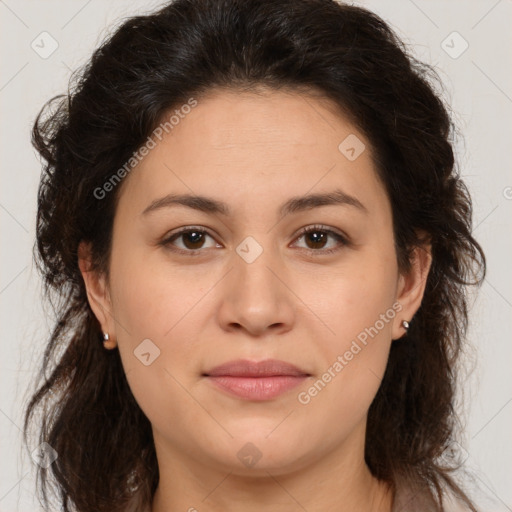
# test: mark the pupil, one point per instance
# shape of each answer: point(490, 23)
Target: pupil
point(191, 235)
point(316, 237)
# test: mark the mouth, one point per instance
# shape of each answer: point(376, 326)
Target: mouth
point(258, 381)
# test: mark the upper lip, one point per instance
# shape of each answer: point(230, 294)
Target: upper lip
point(246, 368)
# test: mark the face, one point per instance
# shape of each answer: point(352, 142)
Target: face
point(244, 282)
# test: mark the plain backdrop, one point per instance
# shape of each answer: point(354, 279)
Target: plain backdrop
point(470, 43)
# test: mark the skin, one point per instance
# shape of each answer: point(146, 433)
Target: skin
point(254, 152)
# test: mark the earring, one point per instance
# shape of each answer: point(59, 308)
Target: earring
point(109, 345)
point(405, 324)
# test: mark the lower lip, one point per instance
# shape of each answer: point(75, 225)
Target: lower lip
point(257, 388)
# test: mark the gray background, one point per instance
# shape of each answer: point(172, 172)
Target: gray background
point(478, 86)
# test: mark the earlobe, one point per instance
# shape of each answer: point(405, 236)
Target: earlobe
point(411, 288)
point(97, 294)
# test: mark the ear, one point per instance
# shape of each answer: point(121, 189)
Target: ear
point(98, 294)
point(411, 287)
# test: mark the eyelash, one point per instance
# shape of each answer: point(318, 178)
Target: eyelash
point(167, 242)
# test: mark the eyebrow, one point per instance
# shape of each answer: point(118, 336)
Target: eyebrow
point(293, 205)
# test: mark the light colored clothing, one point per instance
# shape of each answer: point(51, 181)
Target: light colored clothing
point(406, 500)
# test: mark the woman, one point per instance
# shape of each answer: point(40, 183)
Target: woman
point(251, 213)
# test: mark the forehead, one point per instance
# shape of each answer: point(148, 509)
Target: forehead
point(289, 120)
point(243, 145)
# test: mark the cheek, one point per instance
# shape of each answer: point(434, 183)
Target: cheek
point(153, 349)
point(358, 308)
point(154, 296)
point(352, 298)
point(163, 305)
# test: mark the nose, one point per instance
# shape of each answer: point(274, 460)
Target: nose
point(255, 296)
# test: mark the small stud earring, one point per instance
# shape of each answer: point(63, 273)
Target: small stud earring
point(107, 344)
point(405, 324)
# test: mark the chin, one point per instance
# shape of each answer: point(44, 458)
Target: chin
point(256, 453)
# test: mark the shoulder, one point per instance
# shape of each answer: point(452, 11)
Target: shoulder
point(135, 506)
point(410, 499)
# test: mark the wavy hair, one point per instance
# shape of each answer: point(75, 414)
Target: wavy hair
point(82, 404)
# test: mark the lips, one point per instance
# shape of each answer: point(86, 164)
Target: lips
point(256, 381)
point(266, 368)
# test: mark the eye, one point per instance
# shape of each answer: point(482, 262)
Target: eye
point(316, 238)
point(192, 238)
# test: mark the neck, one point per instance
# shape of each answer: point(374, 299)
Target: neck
point(337, 481)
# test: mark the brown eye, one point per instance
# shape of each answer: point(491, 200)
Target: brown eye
point(317, 237)
point(192, 240)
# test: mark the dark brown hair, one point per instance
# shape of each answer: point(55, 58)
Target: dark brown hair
point(155, 62)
